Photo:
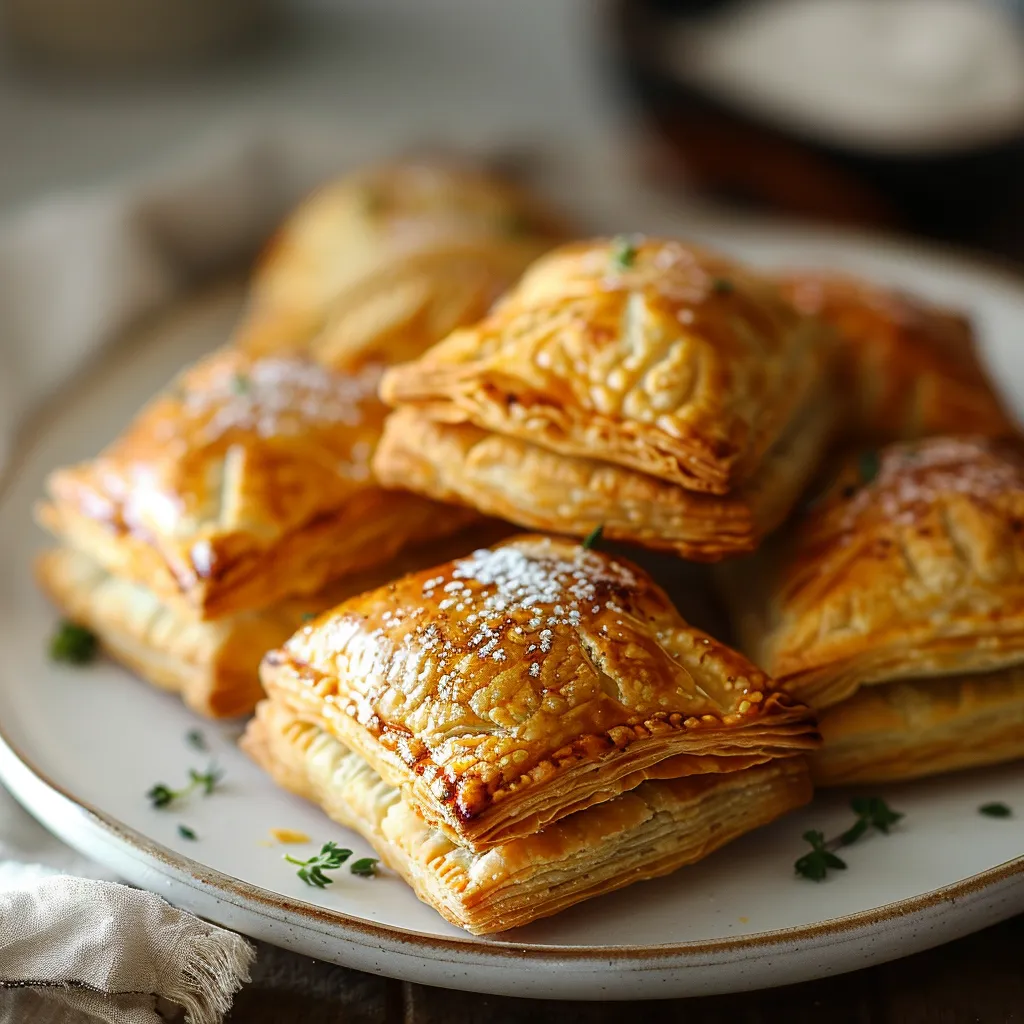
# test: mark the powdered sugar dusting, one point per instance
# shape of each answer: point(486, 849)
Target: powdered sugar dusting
point(518, 600)
point(281, 397)
point(913, 477)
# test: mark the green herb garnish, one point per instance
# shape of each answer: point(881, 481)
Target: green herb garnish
point(186, 833)
point(196, 740)
point(876, 812)
point(365, 867)
point(330, 858)
point(868, 465)
point(593, 538)
point(815, 865)
point(722, 286)
point(308, 616)
point(996, 810)
point(74, 644)
point(624, 252)
point(162, 795)
point(872, 813)
point(240, 384)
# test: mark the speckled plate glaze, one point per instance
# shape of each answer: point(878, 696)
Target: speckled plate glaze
point(80, 747)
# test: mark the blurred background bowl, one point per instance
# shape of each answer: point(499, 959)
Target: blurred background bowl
point(969, 190)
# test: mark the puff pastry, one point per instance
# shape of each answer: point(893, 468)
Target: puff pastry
point(214, 666)
point(650, 831)
point(909, 369)
point(910, 567)
point(511, 688)
point(644, 353)
point(383, 263)
point(544, 490)
point(248, 480)
point(918, 727)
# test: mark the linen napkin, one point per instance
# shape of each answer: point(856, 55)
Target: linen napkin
point(75, 272)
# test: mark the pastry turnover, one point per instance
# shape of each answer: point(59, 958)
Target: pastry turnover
point(214, 665)
point(909, 369)
point(895, 605)
point(649, 831)
point(644, 353)
point(662, 391)
point(246, 481)
point(509, 689)
point(383, 263)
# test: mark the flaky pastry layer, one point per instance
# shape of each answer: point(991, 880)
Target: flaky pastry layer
point(544, 490)
point(648, 832)
point(381, 264)
point(920, 727)
point(214, 665)
point(908, 368)
point(246, 481)
point(518, 685)
point(645, 353)
point(910, 565)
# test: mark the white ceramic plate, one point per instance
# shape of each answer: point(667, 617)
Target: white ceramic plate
point(81, 747)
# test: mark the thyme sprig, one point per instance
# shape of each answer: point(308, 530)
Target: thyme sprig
point(873, 813)
point(161, 795)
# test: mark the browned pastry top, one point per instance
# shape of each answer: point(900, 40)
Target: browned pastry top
point(645, 352)
point(910, 368)
point(509, 673)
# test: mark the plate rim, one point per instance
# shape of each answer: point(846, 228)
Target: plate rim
point(249, 893)
point(250, 897)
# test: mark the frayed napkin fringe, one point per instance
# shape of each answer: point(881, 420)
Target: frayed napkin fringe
point(217, 967)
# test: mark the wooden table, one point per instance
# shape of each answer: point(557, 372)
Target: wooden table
point(977, 980)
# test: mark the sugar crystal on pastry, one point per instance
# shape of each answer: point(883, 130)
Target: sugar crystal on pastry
point(232, 506)
point(895, 605)
point(248, 480)
point(682, 415)
point(565, 677)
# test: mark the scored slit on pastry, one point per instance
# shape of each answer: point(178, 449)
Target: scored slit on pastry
point(644, 833)
point(510, 688)
point(895, 605)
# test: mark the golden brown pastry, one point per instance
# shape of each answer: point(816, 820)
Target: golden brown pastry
point(646, 832)
point(908, 568)
point(214, 665)
point(645, 353)
point(908, 368)
point(544, 490)
point(246, 481)
point(511, 688)
point(917, 727)
point(384, 262)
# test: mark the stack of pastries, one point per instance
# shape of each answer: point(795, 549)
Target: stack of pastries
point(528, 726)
point(520, 722)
